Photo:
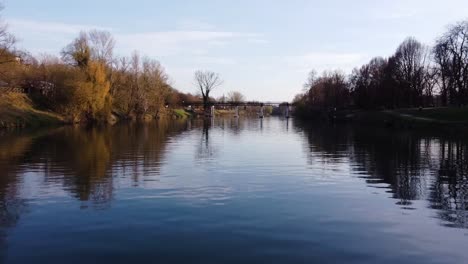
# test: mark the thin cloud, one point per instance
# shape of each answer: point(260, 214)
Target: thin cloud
point(214, 60)
point(167, 43)
point(394, 15)
point(192, 24)
point(321, 61)
point(158, 43)
point(22, 25)
point(258, 41)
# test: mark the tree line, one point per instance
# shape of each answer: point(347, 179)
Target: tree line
point(89, 83)
point(416, 75)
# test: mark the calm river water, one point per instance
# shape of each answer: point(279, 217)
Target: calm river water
point(233, 191)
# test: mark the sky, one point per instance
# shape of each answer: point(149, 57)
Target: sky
point(262, 48)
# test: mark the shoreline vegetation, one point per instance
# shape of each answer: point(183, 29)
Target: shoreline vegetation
point(17, 110)
point(443, 118)
point(89, 84)
point(418, 86)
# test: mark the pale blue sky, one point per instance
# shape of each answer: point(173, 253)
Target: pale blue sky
point(262, 48)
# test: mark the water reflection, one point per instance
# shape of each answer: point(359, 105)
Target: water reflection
point(84, 161)
point(413, 165)
point(12, 205)
point(257, 185)
point(206, 150)
point(449, 193)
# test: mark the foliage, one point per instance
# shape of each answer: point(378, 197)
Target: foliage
point(18, 110)
point(329, 91)
point(414, 76)
point(141, 87)
point(88, 83)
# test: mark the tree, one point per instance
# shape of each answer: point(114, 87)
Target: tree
point(206, 82)
point(50, 83)
point(94, 92)
point(7, 42)
point(311, 78)
point(329, 91)
point(102, 46)
point(235, 97)
point(412, 70)
point(367, 84)
point(93, 45)
point(120, 84)
point(451, 58)
point(91, 96)
point(88, 83)
point(140, 87)
point(78, 52)
point(154, 85)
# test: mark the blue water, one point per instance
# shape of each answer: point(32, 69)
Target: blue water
point(233, 191)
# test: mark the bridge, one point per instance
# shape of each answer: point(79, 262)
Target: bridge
point(285, 106)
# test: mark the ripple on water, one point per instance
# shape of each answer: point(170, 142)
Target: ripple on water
point(233, 191)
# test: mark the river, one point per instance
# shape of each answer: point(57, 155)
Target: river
point(233, 191)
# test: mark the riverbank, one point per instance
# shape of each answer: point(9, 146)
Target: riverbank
point(17, 110)
point(441, 118)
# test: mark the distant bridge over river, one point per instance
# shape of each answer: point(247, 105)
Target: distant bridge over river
point(251, 103)
point(284, 106)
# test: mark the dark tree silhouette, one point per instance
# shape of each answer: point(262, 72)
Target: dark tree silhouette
point(451, 58)
point(206, 82)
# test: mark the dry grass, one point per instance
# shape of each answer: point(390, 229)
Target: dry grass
point(17, 110)
point(447, 114)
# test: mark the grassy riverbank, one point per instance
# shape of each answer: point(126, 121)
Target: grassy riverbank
point(180, 113)
point(441, 115)
point(17, 110)
point(411, 118)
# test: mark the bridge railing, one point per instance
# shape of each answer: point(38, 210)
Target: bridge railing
point(252, 103)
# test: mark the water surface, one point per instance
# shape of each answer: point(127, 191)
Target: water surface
point(233, 191)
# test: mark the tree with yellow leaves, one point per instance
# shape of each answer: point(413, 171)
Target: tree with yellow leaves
point(90, 96)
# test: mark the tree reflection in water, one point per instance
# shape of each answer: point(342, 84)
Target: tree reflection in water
point(12, 205)
point(205, 150)
point(86, 160)
point(449, 193)
point(415, 165)
point(88, 164)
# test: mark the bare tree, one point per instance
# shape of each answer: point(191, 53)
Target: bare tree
point(451, 57)
point(154, 82)
point(7, 42)
point(235, 97)
point(206, 82)
point(93, 45)
point(136, 91)
point(102, 46)
point(78, 52)
point(311, 78)
point(329, 91)
point(140, 86)
point(367, 83)
point(412, 71)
